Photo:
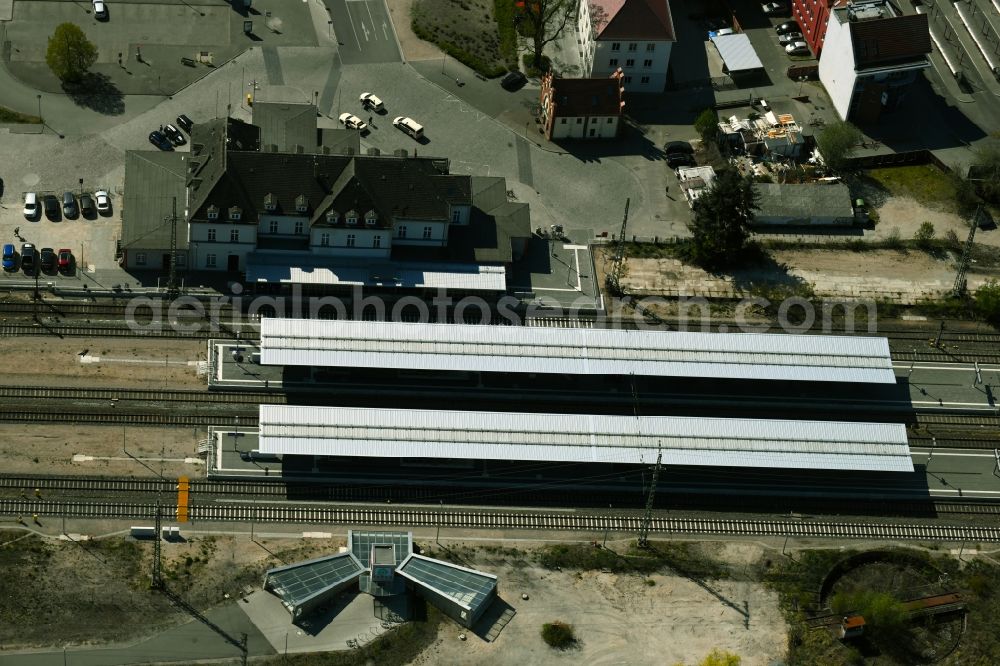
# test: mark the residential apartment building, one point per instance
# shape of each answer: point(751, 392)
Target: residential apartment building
point(635, 36)
point(872, 54)
point(812, 16)
point(582, 108)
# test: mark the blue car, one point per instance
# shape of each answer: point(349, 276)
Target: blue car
point(9, 258)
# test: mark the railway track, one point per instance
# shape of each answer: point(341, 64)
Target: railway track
point(305, 492)
point(506, 519)
point(8, 330)
point(7, 415)
point(139, 395)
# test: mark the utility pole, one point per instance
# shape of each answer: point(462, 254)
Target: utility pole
point(647, 517)
point(963, 265)
point(614, 279)
point(172, 290)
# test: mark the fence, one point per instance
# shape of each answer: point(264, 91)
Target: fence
point(910, 158)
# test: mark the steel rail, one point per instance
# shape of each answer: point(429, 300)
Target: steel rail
point(139, 395)
point(501, 519)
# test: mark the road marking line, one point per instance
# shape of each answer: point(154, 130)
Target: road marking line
point(961, 455)
point(347, 6)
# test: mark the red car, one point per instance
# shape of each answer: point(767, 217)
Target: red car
point(65, 260)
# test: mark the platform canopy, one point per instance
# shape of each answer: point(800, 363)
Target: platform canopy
point(398, 433)
point(582, 351)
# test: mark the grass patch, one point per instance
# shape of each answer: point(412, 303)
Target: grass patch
point(925, 183)
point(468, 31)
point(9, 116)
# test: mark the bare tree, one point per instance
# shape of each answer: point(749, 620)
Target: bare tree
point(544, 21)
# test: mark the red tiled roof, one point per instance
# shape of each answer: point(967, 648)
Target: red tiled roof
point(586, 97)
point(887, 41)
point(632, 19)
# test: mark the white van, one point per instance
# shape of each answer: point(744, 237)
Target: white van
point(410, 126)
point(31, 205)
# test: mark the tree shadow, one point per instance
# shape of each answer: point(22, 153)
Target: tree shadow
point(760, 273)
point(96, 91)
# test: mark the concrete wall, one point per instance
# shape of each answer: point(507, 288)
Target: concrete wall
point(363, 245)
point(199, 255)
point(836, 66)
point(415, 233)
point(638, 77)
point(140, 259)
point(593, 127)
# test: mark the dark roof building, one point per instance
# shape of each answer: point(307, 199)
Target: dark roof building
point(156, 183)
point(372, 561)
point(804, 204)
point(582, 108)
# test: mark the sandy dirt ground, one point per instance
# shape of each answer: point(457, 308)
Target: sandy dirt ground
point(124, 363)
point(907, 215)
point(621, 619)
point(109, 579)
point(49, 449)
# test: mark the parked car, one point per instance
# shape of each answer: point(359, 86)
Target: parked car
point(409, 125)
point(65, 260)
point(774, 8)
point(31, 209)
point(675, 160)
point(103, 201)
point(797, 48)
point(51, 205)
point(513, 80)
point(351, 121)
point(47, 259)
point(100, 10)
point(28, 258)
point(160, 140)
point(678, 147)
point(9, 258)
point(371, 102)
point(725, 31)
point(185, 123)
point(174, 135)
point(789, 37)
point(69, 205)
point(87, 205)
point(788, 26)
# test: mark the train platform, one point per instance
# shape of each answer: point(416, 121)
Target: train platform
point(235, 365)
point(231, 455)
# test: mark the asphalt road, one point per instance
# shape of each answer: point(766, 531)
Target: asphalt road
point(189, 641)
point(364, 31)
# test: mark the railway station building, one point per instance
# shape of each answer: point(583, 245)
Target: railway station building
point(383, 565)
point(281, 203)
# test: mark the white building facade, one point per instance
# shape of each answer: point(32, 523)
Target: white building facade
point(871, 55)
point(635, 36)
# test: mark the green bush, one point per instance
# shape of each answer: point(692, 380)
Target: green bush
point(925, 236)
point(558, 634)
point(707, 125)
point(988, 301)
point(503, 12)
point(529, 65)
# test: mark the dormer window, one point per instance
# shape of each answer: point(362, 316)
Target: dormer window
point(212, 213)
point(332, 216)
point(301, 204)
point(269, 203)
point(371, 218)
point(352, 217)
point(235, 213)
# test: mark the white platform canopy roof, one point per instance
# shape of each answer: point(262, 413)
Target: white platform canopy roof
point(580, 351)
point(392, 433)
